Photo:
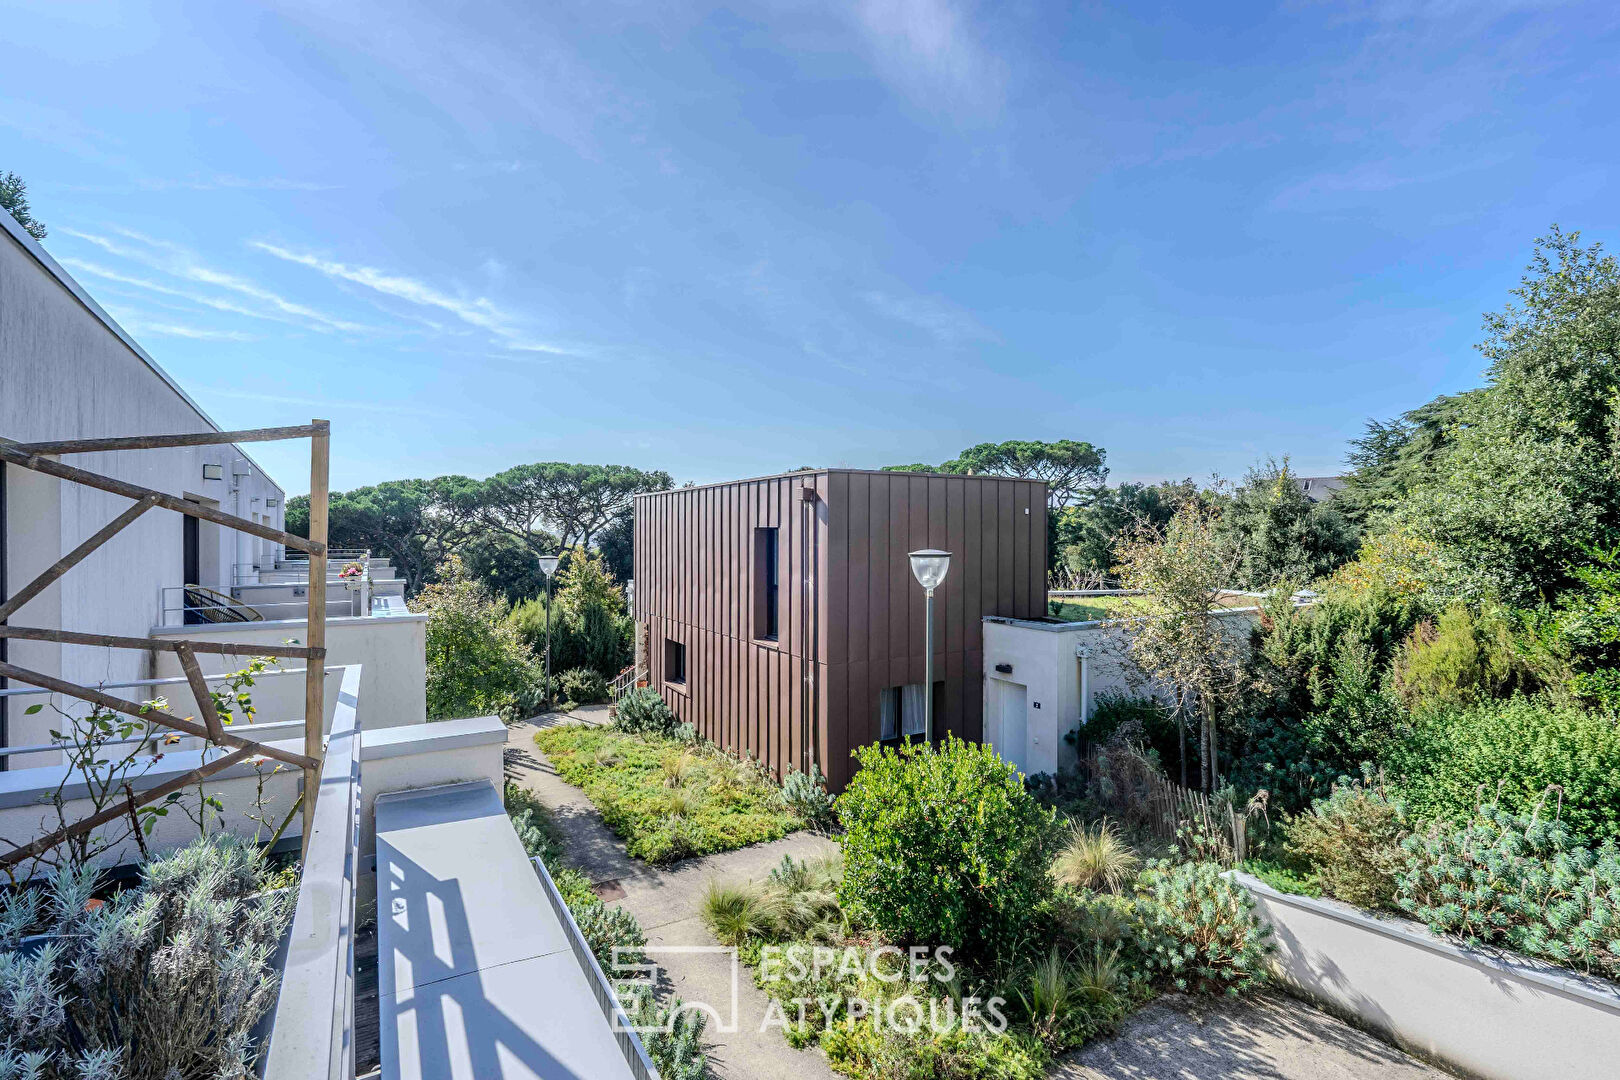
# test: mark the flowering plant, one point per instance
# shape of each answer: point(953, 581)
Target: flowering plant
point(352, 570)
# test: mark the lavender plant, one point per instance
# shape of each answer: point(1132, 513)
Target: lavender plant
point(166, 979)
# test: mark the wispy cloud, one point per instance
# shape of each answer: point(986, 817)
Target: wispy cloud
point(390, 407)
point(196, 333)
point(97, 270)
point(228, 182)
point(944, 323)
point(176, 261)
point(477, 311)
point(932, 51)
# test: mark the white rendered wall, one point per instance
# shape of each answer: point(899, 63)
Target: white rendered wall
point(66, 373)
point(392, 651)
point(1043, 657)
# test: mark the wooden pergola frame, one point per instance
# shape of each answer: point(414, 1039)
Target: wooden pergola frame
point(33, 456)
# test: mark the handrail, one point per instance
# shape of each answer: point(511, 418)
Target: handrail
point(312, 1033)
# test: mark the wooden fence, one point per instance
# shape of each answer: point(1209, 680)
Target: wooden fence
point(1132, 789)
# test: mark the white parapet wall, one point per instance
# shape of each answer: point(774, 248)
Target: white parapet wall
point(1481, 1013)
point(392, 650)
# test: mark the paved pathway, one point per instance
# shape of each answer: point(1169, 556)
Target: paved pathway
point(667, 901)
point(1261, 1037)
point(1265, 1037)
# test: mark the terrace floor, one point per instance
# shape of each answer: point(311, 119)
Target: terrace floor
point(1261, 1037)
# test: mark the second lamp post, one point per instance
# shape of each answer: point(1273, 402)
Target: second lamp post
point(929, 567)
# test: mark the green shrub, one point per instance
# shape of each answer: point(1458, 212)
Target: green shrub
point(1199, 928)
point(1463, 657)
point(477, 664)
point(589, 627)
point(1518, 881)
point(943, 847)
point(876, 1051)
point(806, 795)
point(583, 686)
point(614, 935)
point(1511, 750)
point(1352, 842)
point(643, 711)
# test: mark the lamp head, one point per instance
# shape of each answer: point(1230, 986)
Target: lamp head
point(548, 564)
point(929, 566)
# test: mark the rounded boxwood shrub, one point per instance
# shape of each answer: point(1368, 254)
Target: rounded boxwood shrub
point(943, 847)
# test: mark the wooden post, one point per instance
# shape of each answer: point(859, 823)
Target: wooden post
point(320, 460)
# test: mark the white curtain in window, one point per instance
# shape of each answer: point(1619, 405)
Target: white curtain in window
point(911, 708)
point(889, 712)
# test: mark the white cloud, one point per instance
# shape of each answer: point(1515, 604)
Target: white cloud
point(176, 261)
point(944, 323)
point(931, 50)
point(97, 270)
point(392, 408)
point(477, 311)
point(196, 333)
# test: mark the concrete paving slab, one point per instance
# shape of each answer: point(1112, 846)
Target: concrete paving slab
point(1260, 1037)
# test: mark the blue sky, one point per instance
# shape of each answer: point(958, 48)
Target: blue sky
point(729, 240)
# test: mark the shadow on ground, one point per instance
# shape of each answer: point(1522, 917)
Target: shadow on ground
point(1262, 1037)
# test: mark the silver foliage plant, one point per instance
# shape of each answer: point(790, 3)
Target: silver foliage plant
point(165, 981)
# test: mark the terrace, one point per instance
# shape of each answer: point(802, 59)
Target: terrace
point(331, 759)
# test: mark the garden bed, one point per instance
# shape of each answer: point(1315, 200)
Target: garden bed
point(668, 798)
point(1483, 1012)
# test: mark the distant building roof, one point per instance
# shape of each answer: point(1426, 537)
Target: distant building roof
point(1319, 488)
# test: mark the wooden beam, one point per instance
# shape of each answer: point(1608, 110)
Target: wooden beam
point(200, 691)
point(122, 807)
point(114, 641)
point(140, 712)
point(74, 557)
point(153, 442)
point(320, 463)
point(11, 455)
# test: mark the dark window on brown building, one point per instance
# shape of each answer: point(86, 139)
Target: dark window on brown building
point(901, 712)
point(674, 661)
point(767, 595)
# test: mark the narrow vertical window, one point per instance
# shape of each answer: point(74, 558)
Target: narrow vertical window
point(674, 661)
point(767, 594)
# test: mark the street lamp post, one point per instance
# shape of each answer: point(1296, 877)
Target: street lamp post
point(548, 567)
point(929, 567)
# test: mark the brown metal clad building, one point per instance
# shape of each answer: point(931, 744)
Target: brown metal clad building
point(780, 618)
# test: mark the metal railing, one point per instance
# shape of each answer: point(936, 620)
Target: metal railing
point(197, 605)
point(635, 1054)
point(333, 555)
point(260, 731)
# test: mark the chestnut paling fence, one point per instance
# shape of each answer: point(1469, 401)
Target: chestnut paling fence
point(41, 457)
point(1133, 789)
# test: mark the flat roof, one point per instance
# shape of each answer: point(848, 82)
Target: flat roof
point(831, 469)
point(67, 281)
